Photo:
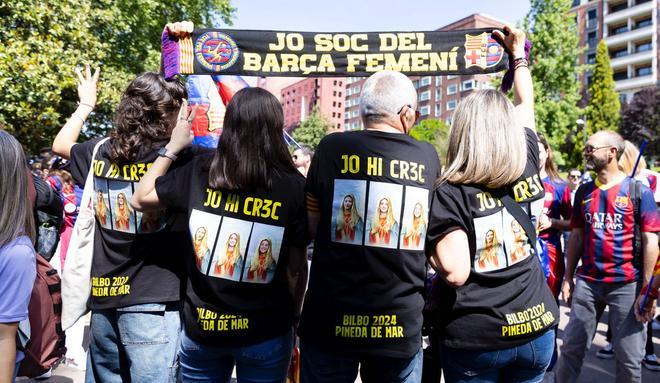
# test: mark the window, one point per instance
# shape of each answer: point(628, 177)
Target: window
point(416, 84)
point(449, 77)
point(339, 94)
point(340, 83)
point(468, 85)
point(452, 89)
point(355, 124)
point(615, 54)
point(425, 95)
point(643, 23)
point(338, 126)
point(644, 71)
point(349, 92)
point(339, 105)
point(619, 7)
point(334, 83)
point(449, 121)
point(438, 94)
point(592, 18)
point(356, 90)
point(575, 3)
point(643, 47)
point(347, 115)
point(438, 110)
point(591, 58)
point(623, 98)
point(451, 105)
point(425, 81)
point(424, 110)
point(618, 76)
point(618, 30)
point(592, 40)
point(334, 115)
point(355, 113)
point(334, 92)
point(334, 103)
point(438, 80)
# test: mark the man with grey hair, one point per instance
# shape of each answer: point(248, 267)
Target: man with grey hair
point(368, 196)
point(614, 232)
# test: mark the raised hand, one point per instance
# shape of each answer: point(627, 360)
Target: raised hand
point(87, 86)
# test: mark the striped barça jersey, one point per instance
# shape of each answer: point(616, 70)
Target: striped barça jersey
point(605, 212)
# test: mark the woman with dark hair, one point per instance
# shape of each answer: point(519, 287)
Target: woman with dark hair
point(244, 322)
point(135, 297)
point(556, 216)
point(494, 324)
point(17, 256)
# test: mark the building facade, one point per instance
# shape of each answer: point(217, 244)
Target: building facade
point(327, 93)
point(630, 30)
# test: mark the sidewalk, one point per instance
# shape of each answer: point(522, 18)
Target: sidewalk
point(593, 370)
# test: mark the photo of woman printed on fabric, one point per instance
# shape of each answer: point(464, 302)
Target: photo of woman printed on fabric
point(150, 222)
point(147, 266)
point(231, 260)
point(492, 152)
point(384, 212)
point(348, 211)
point(252, 163)
point(520, 245)
point(415, 218)
point(262, 263)
point(18, 267)
point(201, 246)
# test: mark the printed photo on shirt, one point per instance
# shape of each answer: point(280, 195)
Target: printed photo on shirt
point(102, 203)
point(415, 218)
point(517, 244)
point(203, 231)
point(150, 222)
point(123, 217)
point(348, 211)
point(383, 215)
point(230, 251)
point(537, 208)
point(263, 253)
point(490, 239)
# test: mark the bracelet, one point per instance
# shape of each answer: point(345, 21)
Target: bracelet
point(521, 65)
point(83, 103)
point(80, 118)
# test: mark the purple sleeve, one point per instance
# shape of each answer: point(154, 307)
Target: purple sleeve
point(18, 270)
point(649, 212)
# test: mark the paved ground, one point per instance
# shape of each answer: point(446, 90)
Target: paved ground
point(594, 369)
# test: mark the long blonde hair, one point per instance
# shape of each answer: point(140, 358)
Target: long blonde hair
point(122, 213)
point(490, 251)
point(355, 216)
point(628, 159)
point(101, 209)
point(269, 256)
point(237, 248)
point(202, 245)
point(390, 221)
point(16, 218)
point(487, 146)
point(418, 223)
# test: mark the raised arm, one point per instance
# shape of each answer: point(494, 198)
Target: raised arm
point(68, 135)
point(523, 90)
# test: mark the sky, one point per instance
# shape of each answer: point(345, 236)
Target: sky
point(367, 15)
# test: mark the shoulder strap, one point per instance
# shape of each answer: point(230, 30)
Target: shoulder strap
point(636, 199)
point(522, 217)
point(89, 182)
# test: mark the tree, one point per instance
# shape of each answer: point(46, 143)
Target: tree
point(553, 64)
point(604, 106)
point(42, 41)
point(640, 120)
point(312, 129)
point(436, 132)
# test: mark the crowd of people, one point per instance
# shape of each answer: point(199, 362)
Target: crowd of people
point(200, 258)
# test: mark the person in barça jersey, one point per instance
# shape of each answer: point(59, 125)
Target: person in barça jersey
point(494, 324)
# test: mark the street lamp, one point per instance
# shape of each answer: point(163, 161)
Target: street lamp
point(582, 123)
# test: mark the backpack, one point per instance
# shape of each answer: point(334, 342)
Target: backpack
point(48, 217)
point(46, 346)
point(635, 196)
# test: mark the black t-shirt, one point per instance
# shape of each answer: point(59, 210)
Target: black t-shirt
point(373, 192)
point(237, 291)
point(137, 256)
point(505, 302)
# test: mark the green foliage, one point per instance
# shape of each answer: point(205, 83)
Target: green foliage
point(603, 108)
point(640, 120)
point(554, 57)
point(312, 130)
point(435, 132)
point(42, 41)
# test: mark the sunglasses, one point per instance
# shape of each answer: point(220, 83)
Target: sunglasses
point(590, 149)
point(409, 106)
point(295, 156)
point(574, 176)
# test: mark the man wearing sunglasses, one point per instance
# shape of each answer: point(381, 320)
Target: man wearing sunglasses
point(302, 158)
point(613, 268)
point(368, 192)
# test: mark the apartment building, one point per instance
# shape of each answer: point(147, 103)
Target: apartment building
point(299, 98)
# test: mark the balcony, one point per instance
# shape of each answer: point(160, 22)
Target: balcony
point(635, 58)
point(635, 34)
point(633, 83)
point(634, 11)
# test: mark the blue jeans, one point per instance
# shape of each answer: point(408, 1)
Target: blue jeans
point(322, 366)
point(134, 344)
point(628, 335)
point(524, 363)
point(265, 362)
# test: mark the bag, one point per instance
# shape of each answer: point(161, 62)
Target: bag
point(76, 279)
point(46, 346)
point(48, 216)
point(636, 199)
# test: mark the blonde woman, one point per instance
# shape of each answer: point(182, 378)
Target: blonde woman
point(519, 240)
point(348, 222)
point(232, 257)
point(383, 225)
point(492, 171)
point(262, 263)
point(647, 176)
point(415, 232)
point(101, 208)
point(122, 213)
point(202, 252)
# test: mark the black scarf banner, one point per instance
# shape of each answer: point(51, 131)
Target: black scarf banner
point(279, 53)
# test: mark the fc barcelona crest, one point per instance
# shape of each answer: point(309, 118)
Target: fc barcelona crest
point(621, 201)
point(482, 51)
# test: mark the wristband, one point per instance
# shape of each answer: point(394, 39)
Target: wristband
point(80, 118)
point(86, 104)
